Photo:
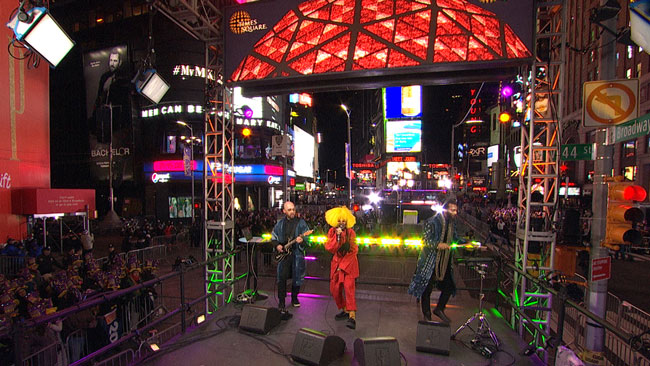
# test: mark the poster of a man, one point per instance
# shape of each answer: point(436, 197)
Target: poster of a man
point(107, 76)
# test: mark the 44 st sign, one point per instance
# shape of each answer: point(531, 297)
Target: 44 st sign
point(574, 152)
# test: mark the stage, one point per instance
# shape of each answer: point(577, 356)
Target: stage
point(382, 311)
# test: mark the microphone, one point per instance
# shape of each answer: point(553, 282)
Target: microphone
point(338, 234)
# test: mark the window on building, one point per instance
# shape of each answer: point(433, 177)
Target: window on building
point(592, 56)
point(638, 70)
point(618, 56)
point(628, 73)
point(629, 149)
point(630, 51)
point(640, 49)
point(629, 172)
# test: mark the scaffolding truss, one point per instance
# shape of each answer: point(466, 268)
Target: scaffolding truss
point(203, 19)
point(539, 177)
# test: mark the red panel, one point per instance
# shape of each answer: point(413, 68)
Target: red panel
point(398, 59)
point(383, 29)
point(25, 142)
point(32, 201)
point(305, 64)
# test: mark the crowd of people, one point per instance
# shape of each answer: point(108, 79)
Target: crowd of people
point(47, 283)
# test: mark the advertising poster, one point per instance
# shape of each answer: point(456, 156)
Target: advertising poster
point(403, 136)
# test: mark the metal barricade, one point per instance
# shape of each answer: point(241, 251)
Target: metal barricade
point(123, 358)
point(76, 345)
point(141, 309)
point(52, 355)
point(9, 266)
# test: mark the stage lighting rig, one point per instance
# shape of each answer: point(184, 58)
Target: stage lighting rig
point(37, 31)
point(147, 80)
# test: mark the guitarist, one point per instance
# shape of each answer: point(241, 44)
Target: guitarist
point(288, 228)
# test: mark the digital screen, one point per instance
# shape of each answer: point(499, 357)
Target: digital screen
point(573, 191)
point(402, 170)
point(401, 102)
point(303, 162)
point(403, 136)
point(492, 155)
point(365, 178)
point(263, 107)
point(180, 207)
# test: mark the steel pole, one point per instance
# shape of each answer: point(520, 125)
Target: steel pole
point(597, 294)
point(192, 167)
point(349, 163)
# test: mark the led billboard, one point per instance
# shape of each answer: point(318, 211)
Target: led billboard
point(403, 101)
point(274, 46)
point(263, 107)
point(402, 170)
point(492, 155)
point(303, 161)
point(403, 136)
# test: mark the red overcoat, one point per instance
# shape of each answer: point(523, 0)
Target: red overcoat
point(347, 263)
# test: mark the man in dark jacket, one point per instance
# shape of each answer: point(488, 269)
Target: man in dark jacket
point(439, 233)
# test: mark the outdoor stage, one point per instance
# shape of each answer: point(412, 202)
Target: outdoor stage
point(382, 311)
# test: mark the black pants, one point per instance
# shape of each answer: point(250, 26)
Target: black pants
point(285, 274)
point(446, 287)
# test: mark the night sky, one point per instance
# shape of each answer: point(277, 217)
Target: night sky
point(439, 108)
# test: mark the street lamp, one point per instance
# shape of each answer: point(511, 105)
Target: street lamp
point(347, 112)
point(191, 161)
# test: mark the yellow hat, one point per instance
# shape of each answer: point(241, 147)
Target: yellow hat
point(332, 216)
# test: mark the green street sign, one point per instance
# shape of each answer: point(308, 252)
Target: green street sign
point(571, 152)
point(630, 130)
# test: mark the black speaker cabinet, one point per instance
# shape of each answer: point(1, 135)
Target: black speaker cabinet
point(433, 337)
point(378, 351)
point(312, 347)
point(259, 319)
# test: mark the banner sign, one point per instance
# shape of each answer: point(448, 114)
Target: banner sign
point(630, 130)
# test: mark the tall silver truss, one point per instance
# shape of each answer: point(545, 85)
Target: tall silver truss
point(203, 19)
point(539, 178)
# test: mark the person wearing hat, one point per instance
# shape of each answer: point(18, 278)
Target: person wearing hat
point(434, 262)
point(46, 262)
point(344, 269)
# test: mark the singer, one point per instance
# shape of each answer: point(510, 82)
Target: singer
point(344, 270)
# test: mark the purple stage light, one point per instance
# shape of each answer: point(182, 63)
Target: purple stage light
point(248, 112)
point(310, 258)
point(506, 91)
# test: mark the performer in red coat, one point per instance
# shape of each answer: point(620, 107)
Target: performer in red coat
point(342, 243)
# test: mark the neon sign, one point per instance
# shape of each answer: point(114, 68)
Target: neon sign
point(257, 122)
point(171, 109)
point(273, 180)
point(302, 98)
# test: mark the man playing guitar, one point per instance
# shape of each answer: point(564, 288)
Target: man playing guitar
point(288, 228)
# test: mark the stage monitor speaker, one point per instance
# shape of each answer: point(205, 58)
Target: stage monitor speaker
point(433, 337)
point(315, 348)
point(259, 319)
point(378, 351)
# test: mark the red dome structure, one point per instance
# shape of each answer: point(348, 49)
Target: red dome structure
point(323, 36)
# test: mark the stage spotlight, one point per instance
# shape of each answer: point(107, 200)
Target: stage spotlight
point(506, 91)
point(247, 111)
point(374, 198)
point(200, 319)
point(151, 85)
point(41, 34)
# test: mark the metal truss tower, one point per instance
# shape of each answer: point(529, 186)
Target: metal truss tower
point(539, 179)
point(202, 19)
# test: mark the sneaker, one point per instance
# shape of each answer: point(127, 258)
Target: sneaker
point(295, 303)
point(352, 324)
point(441, 314)
point(341, 316)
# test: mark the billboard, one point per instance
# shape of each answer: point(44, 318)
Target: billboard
point(303, 162)
point(492, 155)
point(365, 178)
point(402, 170)
point(274, 46)
point(403, 101)
point(263, 107)
point(403, 136)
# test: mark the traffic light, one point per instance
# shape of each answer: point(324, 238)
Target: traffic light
point(505, 117)
point(622, 215)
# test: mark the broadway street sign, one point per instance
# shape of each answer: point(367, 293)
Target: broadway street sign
point(630, 130)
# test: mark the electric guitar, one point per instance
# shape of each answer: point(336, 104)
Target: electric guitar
point(279, 256)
